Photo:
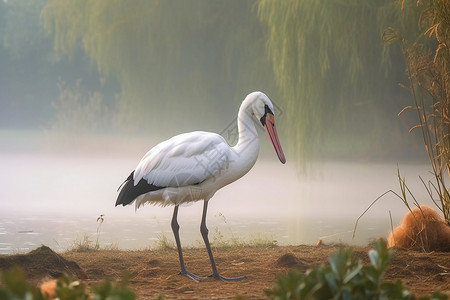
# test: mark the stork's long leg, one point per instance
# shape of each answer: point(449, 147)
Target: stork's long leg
point(204, 231)
point(176, 229)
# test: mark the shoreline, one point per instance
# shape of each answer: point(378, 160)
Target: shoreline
point(154, 272)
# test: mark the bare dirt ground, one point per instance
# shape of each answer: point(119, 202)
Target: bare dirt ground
point(154, 272)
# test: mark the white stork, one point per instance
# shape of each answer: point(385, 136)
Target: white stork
point(193, 166)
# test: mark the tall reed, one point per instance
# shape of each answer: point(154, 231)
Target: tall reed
point(428, 69)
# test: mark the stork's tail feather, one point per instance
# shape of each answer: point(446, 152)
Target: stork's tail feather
point(130, 191)
point(128, 179)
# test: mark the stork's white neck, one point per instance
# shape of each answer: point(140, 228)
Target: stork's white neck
point(247, 148)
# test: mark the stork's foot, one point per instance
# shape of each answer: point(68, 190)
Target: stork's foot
point(192, 276)
point(220, 277)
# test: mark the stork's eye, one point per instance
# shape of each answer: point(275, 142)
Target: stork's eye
point(267, 111)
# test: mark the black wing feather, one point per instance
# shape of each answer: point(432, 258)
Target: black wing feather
point(130, 192)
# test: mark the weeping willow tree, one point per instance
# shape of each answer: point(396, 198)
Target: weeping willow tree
point(170, 57)
point(328, 69)
point(335, 74)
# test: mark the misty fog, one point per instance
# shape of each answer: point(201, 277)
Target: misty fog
point(82, 102)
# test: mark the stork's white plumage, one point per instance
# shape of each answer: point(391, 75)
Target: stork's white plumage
point(193, 166)
point(184, 164)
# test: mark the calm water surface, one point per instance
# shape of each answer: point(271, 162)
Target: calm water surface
point(55, 200)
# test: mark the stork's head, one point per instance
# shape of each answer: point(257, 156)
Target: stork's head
point(262, 109)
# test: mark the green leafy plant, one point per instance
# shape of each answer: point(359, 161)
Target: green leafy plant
point(344, 277)
point(15, 286)
point(70, 289)
point(110, 290)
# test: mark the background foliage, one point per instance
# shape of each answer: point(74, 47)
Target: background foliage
point(333, 69)
point(177, 57)
point(159, 63)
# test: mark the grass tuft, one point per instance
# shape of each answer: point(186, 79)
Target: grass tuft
point(86, 244)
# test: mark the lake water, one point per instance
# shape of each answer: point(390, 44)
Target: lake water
point(55, 200)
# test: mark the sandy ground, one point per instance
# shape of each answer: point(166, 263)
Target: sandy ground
point(155, 272)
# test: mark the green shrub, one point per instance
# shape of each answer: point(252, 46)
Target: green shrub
point(344, 277)
point(14, 286)
point(69, 289)
point(107, 290)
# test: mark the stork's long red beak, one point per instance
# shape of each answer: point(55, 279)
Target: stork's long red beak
point(272, 132)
